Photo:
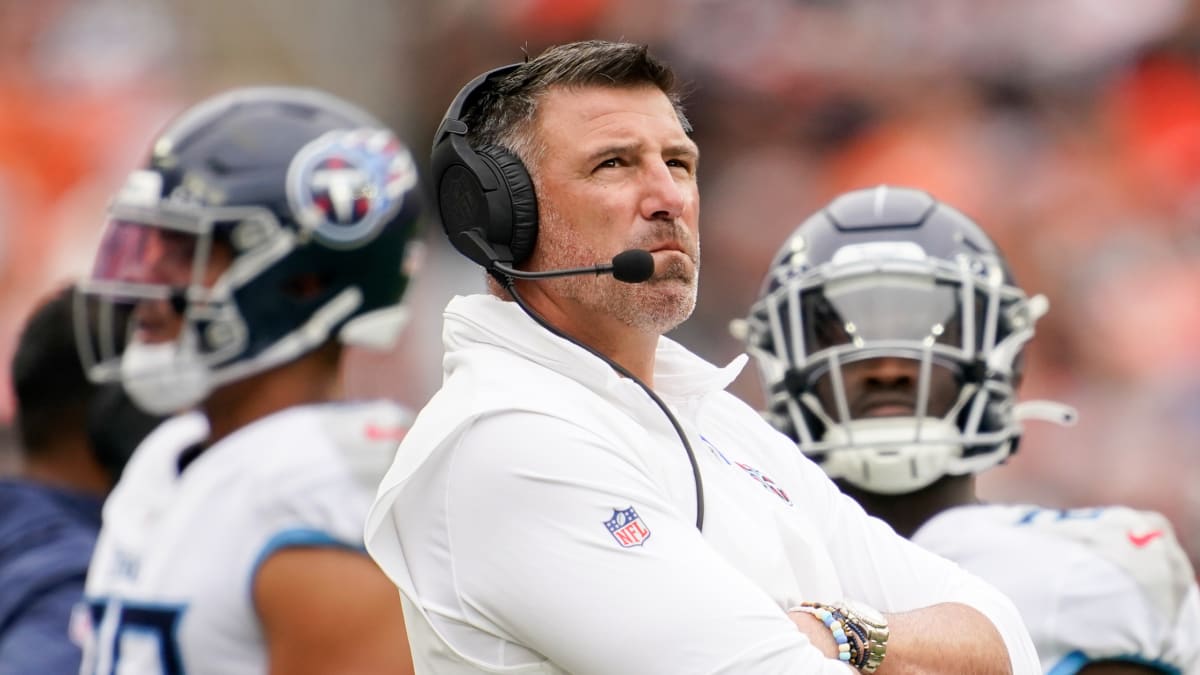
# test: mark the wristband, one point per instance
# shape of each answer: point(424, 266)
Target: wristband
point(837, 626)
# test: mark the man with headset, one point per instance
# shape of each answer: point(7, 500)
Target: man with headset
point(582, 495)
point(889, 336)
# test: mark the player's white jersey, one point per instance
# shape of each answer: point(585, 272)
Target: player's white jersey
point(1091, 584)
point(169, 586)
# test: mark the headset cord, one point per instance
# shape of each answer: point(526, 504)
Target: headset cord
point(510, 286)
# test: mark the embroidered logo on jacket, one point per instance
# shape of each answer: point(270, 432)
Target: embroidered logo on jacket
point(765, 481)
point(627, 527)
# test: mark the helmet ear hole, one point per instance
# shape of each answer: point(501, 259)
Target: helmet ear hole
point(306, 286)
point(795, 382)
point(795, 385)
point(974, 372)
point(765, 341)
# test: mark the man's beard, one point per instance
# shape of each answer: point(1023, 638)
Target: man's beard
point(655, 306)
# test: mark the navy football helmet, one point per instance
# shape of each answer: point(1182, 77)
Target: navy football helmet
point(311, 205)
point(883, 273)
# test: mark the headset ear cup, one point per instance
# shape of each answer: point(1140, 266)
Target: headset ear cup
point(524, 200)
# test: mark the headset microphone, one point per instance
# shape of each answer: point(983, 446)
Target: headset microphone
point(633, 267)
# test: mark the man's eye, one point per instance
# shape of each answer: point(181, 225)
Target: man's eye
point(610, 163)
point(681, 167)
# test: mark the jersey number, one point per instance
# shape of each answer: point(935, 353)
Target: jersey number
point(140, 622)
point(1041, 515)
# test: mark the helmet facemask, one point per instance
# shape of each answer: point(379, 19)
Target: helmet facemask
point(956, 325)
point(160, 304)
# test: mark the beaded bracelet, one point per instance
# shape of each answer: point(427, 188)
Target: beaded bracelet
point(859, 642)
point(836, 625)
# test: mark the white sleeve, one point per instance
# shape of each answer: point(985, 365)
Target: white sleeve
point(527, 505)
point(1111, 594)
point(891, 573)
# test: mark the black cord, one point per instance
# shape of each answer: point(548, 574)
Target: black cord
point(510, 286)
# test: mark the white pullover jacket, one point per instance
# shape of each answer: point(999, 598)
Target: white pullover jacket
point(540, 518)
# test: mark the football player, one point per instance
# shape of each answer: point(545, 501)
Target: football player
point(889, 336)
point(267, 230)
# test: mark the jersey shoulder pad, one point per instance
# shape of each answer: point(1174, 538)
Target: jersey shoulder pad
point(1140, 542)
point(366, 435)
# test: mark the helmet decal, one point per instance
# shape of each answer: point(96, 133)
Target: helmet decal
point(345, 185)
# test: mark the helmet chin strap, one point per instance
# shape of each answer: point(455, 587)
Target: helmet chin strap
point(893, 455)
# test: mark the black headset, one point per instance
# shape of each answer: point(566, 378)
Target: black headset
point(489, 210)
point(485, 190)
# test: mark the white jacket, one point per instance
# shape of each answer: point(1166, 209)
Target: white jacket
point(540, 518)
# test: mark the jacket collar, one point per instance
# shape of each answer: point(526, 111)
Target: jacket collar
point(475, 321)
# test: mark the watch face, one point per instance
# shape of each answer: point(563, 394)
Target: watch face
point(866, 613)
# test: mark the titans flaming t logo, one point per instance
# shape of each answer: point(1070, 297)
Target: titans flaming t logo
point(344, 186)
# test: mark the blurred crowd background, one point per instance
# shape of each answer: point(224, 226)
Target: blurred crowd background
point(1070, 130)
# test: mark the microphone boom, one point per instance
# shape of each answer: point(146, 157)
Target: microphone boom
point(632, 267)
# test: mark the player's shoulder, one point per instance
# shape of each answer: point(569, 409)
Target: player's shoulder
point(1121, 534)
point(164, 443)
point(1088, 525)
point(154, 464)
point(361, 436)
point(1113, 546)
point(364, 423)
point(977, 531)
point(365, 434)
point(1141, 542)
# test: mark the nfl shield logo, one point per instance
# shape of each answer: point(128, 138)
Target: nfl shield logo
point(627, 528)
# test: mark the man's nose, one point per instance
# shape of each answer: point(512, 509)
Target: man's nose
point(888, 371)
point(663, 196)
